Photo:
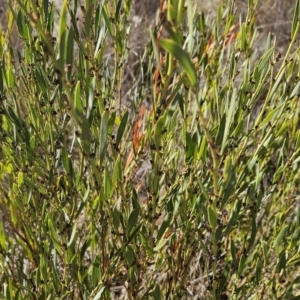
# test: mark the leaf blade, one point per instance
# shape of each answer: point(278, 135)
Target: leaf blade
point(182, 57)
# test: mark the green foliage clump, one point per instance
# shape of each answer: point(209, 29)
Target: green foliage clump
point(175, 176)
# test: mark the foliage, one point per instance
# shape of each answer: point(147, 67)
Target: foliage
point(190, 192)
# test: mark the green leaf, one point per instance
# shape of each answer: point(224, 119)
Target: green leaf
point(135, 200)
point(294, 239)
point(133, 234)
point(191, 40)
point(103, 137)
point(263, 64)
point(296, 19)
point(10, 78)
point(221, 130)
point(183, 58)
point(84, 247)
point(63, 18)
point(203, 189)
point(107, 21)
point(67, 163)
point(32, 143)
point(122, 128)
point(129, 256)
point(15, 119)
point(3, 242)
point(253, 231)
point(276, 84)
point(86, 138)
point(238, 129)
point(132, 220)
point(202, 149)
point(1, 80)
point(277, 174)
point(108, 188)
point(157, 295)
point(243, 37)
point(158, 130)
point(46, 5)
point(241, 264)
point(116, 215)
point(83, 202)
point(99, 294)
point(258, 269)
point(212, 217)
point(54, 277)
point(78, 101)
point(41, 81)
point(70, 48)
point(295, 90)
point(112, 120)
point(91, 97)
point(233, 215)
point(163, 227)
point(88, 21)
point(54, 236)
point(74, 22)
point(294, 261)
point(22, 28)
point(191, 146)
point(270, 115)
point(180, 10)
point(20, 179)
point(62, 34)
point(281, 265)
point(268, 43)
point(229, 180)
point(73, 236)
point(280, 236)
point(43, 268)
point(171, 13)
point(229, 117)
point(96, 273)
point(117, 171)
point(174, 36)
point(162, 243)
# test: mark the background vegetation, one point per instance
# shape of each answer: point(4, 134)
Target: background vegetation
point(149, 168)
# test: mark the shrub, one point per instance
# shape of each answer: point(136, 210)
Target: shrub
point(176, 178)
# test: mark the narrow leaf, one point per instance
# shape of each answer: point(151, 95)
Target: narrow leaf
point(229, 180)
point(212, 217)
point(99, 294)
point(162, 243)
point(73, 235)
point(132, 220)
point(122, 128)
point(258, 271)
point(183, 58)
point(296, 19)
point(86, 139)
point(281, 235)
point(103, 137)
